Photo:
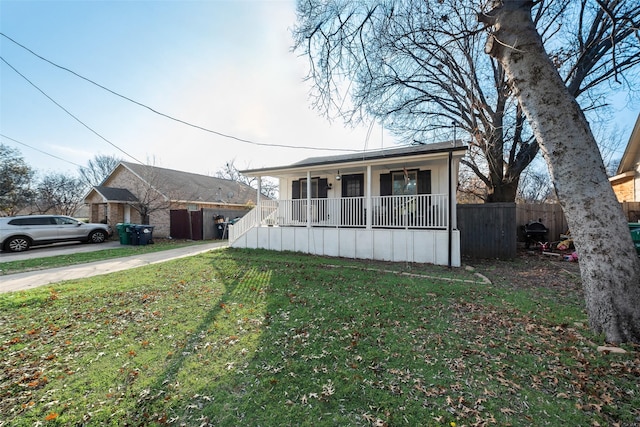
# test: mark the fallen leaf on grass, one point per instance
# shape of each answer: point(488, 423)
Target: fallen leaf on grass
point(52, 416)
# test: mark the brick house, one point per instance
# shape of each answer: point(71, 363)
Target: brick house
point(143, 194)
point(626, 182)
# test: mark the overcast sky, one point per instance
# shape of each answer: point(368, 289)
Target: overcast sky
point(223, 65)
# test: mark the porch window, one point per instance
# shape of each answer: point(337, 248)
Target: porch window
point(314, 188)
point(318, 188)
point(353, 185)
point(398, 205)
point(395, 183)
point(299, 204)
point(405, 183)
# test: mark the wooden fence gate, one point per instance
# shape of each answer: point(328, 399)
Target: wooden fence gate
point(185, 224)
point(488, 230)
point(199, 225)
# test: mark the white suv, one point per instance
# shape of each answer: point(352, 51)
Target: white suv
point(19, 233)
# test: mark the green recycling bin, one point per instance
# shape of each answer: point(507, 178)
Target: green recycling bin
point(634, 227)
point(124, 233)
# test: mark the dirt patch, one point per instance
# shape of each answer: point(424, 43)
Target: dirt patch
point(531, 269)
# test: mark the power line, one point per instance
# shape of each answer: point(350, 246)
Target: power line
point(69, 113)
point(262, 144)
point(43, 152)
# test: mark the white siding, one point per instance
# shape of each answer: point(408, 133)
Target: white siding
point(421, 246)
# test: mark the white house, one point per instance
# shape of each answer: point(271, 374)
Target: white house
point(393, 204)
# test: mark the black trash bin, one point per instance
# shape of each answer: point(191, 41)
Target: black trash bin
point(134, 238)
point(221, 229)
point(144, 234)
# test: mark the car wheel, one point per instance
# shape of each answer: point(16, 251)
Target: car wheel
point(97, 237)
point(18, 244)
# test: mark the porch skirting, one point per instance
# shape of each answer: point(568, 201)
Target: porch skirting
point(397, 245)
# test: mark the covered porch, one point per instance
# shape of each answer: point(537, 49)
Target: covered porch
point(396, 205)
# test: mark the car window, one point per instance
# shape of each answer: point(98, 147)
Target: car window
point(66, 221)
point(32, 221)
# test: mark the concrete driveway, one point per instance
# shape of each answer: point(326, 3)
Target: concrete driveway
point(33, 279)
point(57, 249)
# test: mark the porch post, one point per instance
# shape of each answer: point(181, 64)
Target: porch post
point(369, 216)
point(259, 200)
point(450, 212)
point(308, 199)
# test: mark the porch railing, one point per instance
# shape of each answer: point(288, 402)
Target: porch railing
point(419, 211)
point(248, 221)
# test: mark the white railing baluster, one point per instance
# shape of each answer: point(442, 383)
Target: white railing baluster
point(419, 211)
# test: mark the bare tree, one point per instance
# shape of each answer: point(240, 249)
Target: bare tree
point(148, 197)
point(15, 181)
point(58, 193)
point(98, 169)
point(535, 187)
point(269, 188)
point(610, 268)
point(352, 43)
point(403, 62)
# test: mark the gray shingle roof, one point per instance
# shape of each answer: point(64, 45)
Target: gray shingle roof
point(191, 187)
point(405, 151)
point(116, 194)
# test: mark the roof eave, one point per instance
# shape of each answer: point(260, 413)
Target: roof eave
point(627, 162)
point(373, 161)
point(627, 174)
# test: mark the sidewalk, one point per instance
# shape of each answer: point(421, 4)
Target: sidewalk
point(33, 279)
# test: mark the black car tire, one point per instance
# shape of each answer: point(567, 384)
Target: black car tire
point(97, 236)
point(18, 244)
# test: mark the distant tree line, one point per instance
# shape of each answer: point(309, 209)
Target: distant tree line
point(25, 191)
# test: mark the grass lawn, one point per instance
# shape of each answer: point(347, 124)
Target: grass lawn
point(256, 338)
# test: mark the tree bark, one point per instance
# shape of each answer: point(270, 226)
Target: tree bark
point(609, 265)
point(503, 192)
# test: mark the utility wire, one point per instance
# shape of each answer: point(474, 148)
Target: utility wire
point(69, 113)
point(262, 144)
point(43, 152)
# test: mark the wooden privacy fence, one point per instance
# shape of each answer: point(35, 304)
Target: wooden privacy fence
point(487, 230)
point(550, 214)
point(492, 230)
point(200, 224)
point(632, 211)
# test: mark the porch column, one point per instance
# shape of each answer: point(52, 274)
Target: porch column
point(450, 211)
point(308, 199)
point(259, 199)
point(369, 216)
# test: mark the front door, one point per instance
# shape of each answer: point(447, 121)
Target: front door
point(352, 202)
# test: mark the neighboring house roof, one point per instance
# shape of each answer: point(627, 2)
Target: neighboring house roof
point(631, 155)
point(110, 194)
point(388, 154)
point(188, 187)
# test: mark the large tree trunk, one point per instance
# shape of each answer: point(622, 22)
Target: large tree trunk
point(503, 192)
point(609, 265)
